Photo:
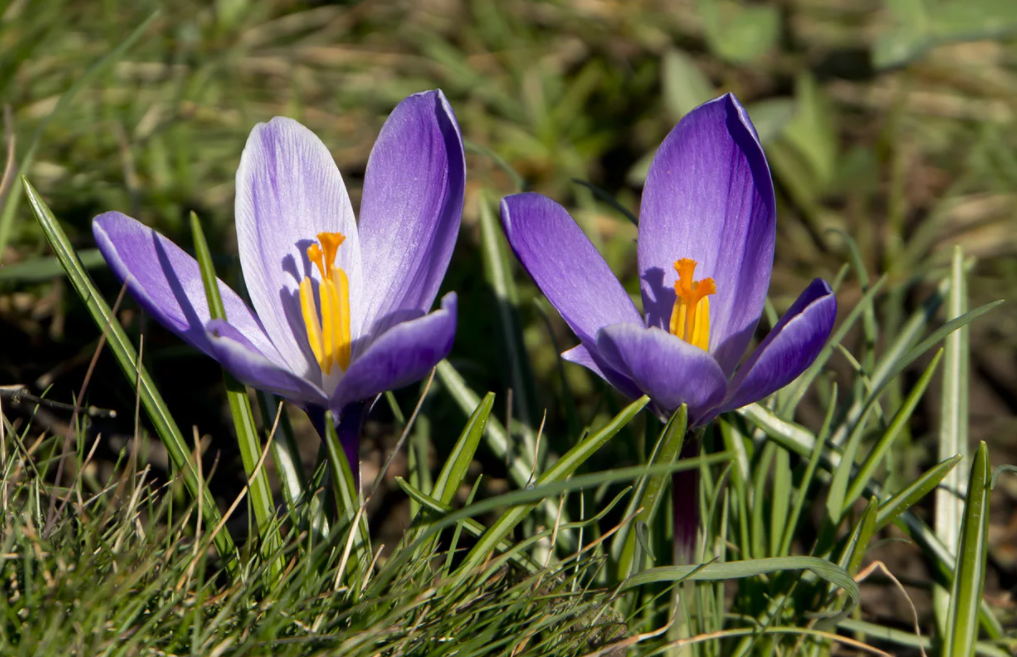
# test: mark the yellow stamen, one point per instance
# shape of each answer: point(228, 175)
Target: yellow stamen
point(330, 339)
point(341, 284)
point(701, 328)
point(329, 310)
point(690, 317)
point(310, 313)
point(315, 255)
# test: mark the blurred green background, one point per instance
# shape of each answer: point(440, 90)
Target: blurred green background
point(889, 122)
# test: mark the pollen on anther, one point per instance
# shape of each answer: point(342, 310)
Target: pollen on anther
point(315, 255)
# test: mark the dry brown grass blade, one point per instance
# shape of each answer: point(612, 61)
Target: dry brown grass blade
point(880, 566)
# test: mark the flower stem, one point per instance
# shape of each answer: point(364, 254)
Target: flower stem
point(685, 510)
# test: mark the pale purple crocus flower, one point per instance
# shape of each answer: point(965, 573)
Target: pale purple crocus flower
point(707, 228)
point(340, 308)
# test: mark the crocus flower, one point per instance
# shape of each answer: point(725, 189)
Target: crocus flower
point(340, 309)
point(706, 237)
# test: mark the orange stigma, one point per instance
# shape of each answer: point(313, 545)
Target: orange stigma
point(329, 337)
point(690, 318)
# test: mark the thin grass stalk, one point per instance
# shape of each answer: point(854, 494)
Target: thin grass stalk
point(243, 421)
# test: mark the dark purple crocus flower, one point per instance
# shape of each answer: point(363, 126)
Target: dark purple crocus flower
point(706, 234)
point(340, 309)
point(706, 237)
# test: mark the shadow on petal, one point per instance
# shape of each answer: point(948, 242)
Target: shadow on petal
point(658, 298)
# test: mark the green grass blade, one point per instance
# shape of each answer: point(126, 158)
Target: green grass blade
point(900, 420)
point(539, 493)
point(943, 331)
point(918, 489)
point(801, 385)
point(673, 440)
point(10, 205)
point(780, 502)
point(869, 328)
point(889, 371)
point(1002, 469)
point(497, 441)
point(458, 462)
point(471, 525)
point(735, 442)
point(458, 532)
point(347, 498)
point(560, 471)
point(162, 421)
point(885, 369)
point(836, 504)
point(243, 420)
point(758, 500)
point(953, 427)
point(787, 434)
point(498, 272)
point(970, 569)
point(648, 491)
point(287, 461)
point(795, 438)
point(810, 472)
point(822, 568)
point(858, 542)
point(907, 639)
point(838, 500)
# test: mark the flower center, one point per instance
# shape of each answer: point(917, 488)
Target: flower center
point(330, 337)
point(690, 318)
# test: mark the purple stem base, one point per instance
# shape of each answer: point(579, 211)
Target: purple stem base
point(348, 426)
point(685, 506)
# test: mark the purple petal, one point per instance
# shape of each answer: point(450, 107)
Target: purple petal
point(580, 355)
point(789, 349)
point(669, 370)
point(709, 197)
point(411, 208)
point(167, 283)
point(234, 351)
point(565, 265)
point(288, 191)
point(403, 354)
